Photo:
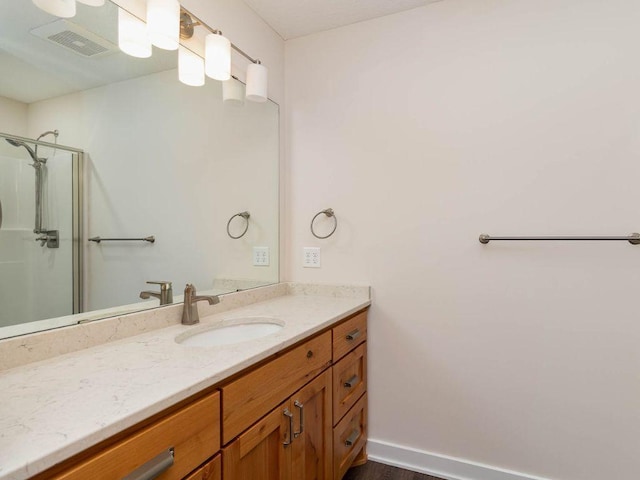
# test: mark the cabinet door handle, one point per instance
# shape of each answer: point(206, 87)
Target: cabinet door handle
point(351, 382)
point(153, 467)
point(287, 413)
point(353, 335)
point(351, 439)
point(301, 407)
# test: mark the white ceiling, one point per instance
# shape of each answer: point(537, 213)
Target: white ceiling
point(296, 18)
point(35, 69)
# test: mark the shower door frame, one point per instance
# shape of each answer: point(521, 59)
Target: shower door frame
point(77, 214)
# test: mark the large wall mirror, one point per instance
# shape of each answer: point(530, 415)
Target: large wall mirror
point(147, 157)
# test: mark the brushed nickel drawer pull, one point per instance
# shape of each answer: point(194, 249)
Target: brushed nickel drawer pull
point(301, 407)
point(287, 413)
point(351, 382)
point(153, 468)
point(353, 335)
point(351, 439)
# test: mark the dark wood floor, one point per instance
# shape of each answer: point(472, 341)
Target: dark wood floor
point(378, 471)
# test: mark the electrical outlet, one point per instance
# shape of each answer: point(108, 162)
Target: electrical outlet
point(261, 256)
point(311, 257)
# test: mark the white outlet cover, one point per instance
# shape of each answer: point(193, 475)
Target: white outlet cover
point(311, 257)
point(261, 256)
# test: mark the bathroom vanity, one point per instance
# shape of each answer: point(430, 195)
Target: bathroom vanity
point(290, 405)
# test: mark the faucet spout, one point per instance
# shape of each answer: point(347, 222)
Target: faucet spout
point(165, 295)
point(190, 314)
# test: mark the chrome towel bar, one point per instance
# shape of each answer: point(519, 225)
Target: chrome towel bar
point(150, 239)
point(633, 239)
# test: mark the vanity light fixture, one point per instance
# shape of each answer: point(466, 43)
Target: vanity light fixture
point(92, 3)
point(132, 35)
point(218, 60)
point(217, 56)
point(163, 23)
point(233, 91)
point(190, 67)
point(257, 82)
point(59, 8)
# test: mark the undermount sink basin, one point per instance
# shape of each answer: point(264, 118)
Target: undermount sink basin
point(241, 330)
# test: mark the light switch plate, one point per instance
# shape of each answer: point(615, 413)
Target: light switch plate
point(261, 256)
point(311, 257)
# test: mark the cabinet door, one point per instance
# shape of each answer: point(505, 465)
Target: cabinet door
point(311, 447)
point(264, 451)
point(212, 470)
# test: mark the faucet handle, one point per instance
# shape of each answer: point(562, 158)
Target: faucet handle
point(164, 285)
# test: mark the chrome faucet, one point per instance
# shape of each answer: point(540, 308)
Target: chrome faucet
point(165, 295)
point(190, 311)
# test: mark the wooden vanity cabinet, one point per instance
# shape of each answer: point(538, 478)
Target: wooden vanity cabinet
point(316, 433)
point(293, 442)
point(349, 394)
point(301, 415)
point(212, 470)
point(190, 435)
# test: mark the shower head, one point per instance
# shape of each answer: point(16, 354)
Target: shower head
point(18, 143)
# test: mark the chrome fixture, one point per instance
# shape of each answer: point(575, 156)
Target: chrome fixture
point(217, 48)
point(150, 239)
point(633, 239)
point(165, 295)
point(38, 165)
point(330, 214)
point(190, 311)
point(244, 215)
point(50, 238)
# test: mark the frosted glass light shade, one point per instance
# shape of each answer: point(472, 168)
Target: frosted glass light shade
point(233, 91)
point(257, 82)
point(163, 23)
point(59, 8)
point(190, 67)
point(92, 3)
point(132, 35)
point(217, 54)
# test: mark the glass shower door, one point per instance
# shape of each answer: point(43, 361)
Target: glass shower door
point(38, 256)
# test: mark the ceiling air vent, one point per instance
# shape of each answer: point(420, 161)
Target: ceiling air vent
point(75, 38)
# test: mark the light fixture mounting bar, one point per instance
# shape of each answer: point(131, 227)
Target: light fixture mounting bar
point(198, 21)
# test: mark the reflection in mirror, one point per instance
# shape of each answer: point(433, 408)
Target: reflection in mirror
point(152, 157)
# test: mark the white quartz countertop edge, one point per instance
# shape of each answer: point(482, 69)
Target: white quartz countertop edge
point(54, 409)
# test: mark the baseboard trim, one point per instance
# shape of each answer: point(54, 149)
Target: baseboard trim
point(448, 468)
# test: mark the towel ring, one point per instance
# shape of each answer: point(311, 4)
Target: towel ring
point(329, 213)
point(244, 215)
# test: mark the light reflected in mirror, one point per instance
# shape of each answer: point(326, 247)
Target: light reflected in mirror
point(158, 158)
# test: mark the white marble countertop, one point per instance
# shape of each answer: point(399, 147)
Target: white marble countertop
point(52, 409)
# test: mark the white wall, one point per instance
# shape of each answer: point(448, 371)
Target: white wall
point(427, 128)
point(13, 116)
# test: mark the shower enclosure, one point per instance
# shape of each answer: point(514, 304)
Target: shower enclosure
point(40, 215)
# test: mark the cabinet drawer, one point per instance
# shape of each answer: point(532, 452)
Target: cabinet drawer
point(193, 432)
point(349, 335)
point(349, 437)
point(349, 381)
point(253, 395)
point(210, 471)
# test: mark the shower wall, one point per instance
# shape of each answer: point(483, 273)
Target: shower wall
point(35, 282)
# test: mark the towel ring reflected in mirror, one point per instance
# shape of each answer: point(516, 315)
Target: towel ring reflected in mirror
point(244, 215)
point(329, 213)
